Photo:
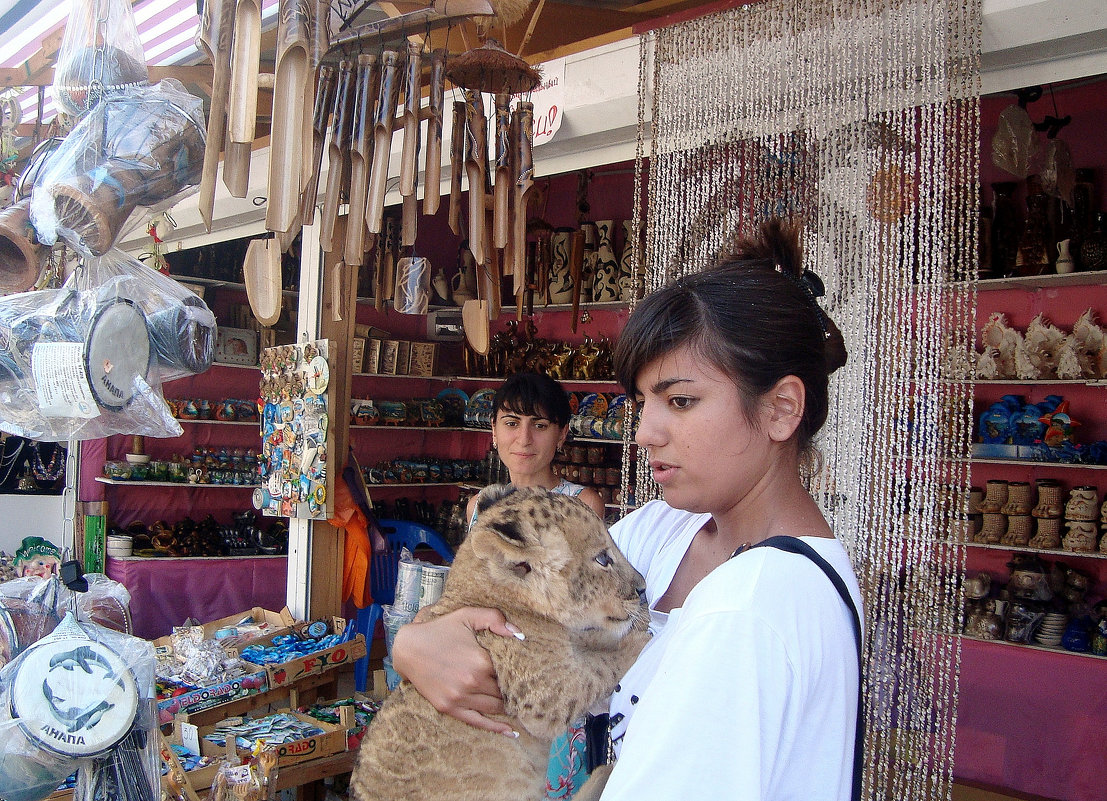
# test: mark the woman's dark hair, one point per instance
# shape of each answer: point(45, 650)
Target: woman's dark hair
point(533, 394)
point(753, 315)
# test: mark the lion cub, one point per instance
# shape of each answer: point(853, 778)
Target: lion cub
point(549, 564)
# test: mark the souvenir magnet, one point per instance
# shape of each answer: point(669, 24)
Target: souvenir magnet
point(318, 375)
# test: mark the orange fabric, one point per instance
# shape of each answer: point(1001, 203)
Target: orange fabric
point(358, 550)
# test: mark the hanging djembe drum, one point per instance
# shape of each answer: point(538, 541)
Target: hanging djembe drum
point(139, 149)
point(72, 697)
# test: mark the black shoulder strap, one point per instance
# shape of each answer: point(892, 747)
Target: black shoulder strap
point(798, 546)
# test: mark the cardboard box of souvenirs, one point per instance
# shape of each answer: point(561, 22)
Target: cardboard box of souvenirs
point(252, 683)
point(236, 346)
point(331, 741)
point(207, 697)
point(345, 653)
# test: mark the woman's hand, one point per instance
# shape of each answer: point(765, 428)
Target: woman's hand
point(442, 658)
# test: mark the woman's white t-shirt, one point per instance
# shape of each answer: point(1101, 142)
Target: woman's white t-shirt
point(748, 691)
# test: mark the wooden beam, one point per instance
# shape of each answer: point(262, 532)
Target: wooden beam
point(200, 74)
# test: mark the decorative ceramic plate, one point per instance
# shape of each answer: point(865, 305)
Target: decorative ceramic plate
point(479, 409)
point(454, 401)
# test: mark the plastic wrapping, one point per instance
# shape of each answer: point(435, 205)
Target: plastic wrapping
point(32, 607)
point(87, 360)
point(80, 698)
point(1015, 143)
point(100, 55)
point(138, 149)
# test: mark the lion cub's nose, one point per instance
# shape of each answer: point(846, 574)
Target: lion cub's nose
point(642, 595)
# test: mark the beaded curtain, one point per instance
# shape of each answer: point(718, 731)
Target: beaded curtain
point(860, 120)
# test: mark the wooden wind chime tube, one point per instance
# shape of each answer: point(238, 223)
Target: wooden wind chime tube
point(214, 39)
point(457, 165)
point(383, 117)
point(476, 153)
point(432, 170)
point(361, 153)
point(291, 98)
point(324, 102)
point(501, 190)
point(243, 101)
point(336, 153)
point(523, 130)
point(409, 158)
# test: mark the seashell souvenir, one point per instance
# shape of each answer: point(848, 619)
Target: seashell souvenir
point(998, 334)
point(1036, 354)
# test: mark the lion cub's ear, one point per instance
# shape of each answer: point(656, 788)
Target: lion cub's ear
point(491, 494)
point(512, 548)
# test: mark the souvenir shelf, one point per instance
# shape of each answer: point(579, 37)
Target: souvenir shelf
point(1054, 552)
point(1029, 463)
point(1032, 283)
point(1061, 299)
point(1030, 646)
point(119, 482)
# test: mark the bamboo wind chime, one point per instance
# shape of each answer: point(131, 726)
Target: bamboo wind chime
point(497, 211)
point(306, 92)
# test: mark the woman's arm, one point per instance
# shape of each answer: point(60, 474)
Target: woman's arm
point(442, 658)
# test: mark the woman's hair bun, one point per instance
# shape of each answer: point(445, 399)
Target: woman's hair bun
point(776, 242)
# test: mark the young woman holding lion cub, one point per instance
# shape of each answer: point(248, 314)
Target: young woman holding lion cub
point(749, 687)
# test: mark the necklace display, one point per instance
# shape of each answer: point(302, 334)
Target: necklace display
point(11, 458)
point(51, 470)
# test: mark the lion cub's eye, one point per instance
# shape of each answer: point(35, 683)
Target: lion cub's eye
point(603, 559)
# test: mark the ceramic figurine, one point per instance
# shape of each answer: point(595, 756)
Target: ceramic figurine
point(1048, 534)
point(976, 497)
point(1018, 498)
point(983, 622)
point(978, 586)
point(995, 526)
point(1059, 426)
point(1082, 505)
point(1019, 528)
point(1050, 501)
point(38, 558)
point(995, 498)
point(1081, 537)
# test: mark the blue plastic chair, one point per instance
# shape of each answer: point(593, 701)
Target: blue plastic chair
point(382, 578)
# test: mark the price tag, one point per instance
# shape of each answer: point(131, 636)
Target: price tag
point(190, 737)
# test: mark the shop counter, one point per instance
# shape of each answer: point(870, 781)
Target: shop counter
point(166, 592)
point(1046, 741)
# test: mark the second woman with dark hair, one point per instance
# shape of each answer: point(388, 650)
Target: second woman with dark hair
point(530, 421)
